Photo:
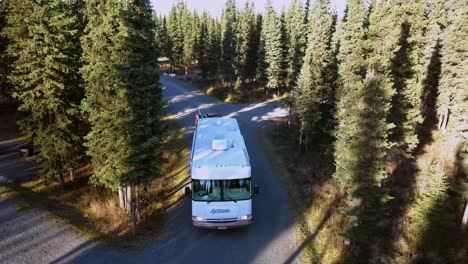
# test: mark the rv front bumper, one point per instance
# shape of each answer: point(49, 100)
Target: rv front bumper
point(222, 225)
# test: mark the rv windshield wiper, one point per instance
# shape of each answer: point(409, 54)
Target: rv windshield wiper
point(231, 200)
point(211, 200)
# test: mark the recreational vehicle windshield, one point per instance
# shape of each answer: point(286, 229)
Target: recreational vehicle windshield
point(222, 189)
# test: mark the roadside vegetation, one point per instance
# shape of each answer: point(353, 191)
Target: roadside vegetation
point(94, 211)
point(81, 80)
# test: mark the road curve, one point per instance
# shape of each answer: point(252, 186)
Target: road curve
point(270, 239)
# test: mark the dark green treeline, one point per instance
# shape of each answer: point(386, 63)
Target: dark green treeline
point(85, 74)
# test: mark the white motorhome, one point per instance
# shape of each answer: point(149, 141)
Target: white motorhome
point(220, 169)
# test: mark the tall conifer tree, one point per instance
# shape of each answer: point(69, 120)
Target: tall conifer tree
point(122, 93)
point(46, 74)
point(453, 92)
point(352, 71)
point(297, 35)
point(408, 73)
point(228, 33)
point(274, 49)
point(314, 96)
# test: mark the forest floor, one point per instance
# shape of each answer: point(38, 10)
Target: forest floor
point(249, 93)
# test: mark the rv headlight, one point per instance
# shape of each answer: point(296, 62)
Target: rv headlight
point(246, 217)
point(197, 218)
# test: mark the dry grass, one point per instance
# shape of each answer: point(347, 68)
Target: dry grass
point(315, 205)
point(94, 211)
point(250, 92)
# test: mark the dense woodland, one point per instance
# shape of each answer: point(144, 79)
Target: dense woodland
point(379, 94)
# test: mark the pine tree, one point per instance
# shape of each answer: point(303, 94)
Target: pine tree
point(408, 73)
point(273, 46)
point(314, 94)
point(5, 61)
point(246, 42)
point(203, 45)
point(123, 96)
point(296, 32)
point(352, 70)
point(16, 33)
point(48, 86)
point(437, 22)
point(190, 24)
point(261, 76)
point(453, 92)
point(176, 32)
point(228, 27)
point(214, 47)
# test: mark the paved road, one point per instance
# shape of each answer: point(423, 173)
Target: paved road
point(270, 239)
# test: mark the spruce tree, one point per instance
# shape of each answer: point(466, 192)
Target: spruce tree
point(16, 33)
point(214, 50)
point(296, 31)
point(408, 73)
point(352, 70)
point(453, 92)
point(274, 49)
point(48, 86)
point(176, 33)
point(202, 46)
point(261, 76)
point(5, 61)
point(246, 42)
point(123, 95)
point(228, 32)
point(314, 94)
point(437, 22)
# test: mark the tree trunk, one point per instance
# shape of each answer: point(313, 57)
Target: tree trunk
point(128, 203)
point(137, 203)
point(444, 123)
point(72, 175)
point(133, 219)
point(61, 180)
point(441, 119)
point(465, 217)
point(121, 198)
point(301, 130)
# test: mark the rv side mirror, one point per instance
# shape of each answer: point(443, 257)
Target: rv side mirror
point(188, 192)
point(256, 189)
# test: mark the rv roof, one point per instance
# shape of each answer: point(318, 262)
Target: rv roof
point(218, 129)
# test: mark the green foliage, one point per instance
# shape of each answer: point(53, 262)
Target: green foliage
point(122, 93)
point(214, 47)
point(5, 61)
point(176, 32)
point(368, 198)
point(163, 42)
point(228, 33)
point(296, 37)
point(314, 94)
point(453, 92)
point(261, 75)
point(48, 86)
point(246, 42)
point(15, 33)
point(351, 80)
point(432, 216)
point(408, 72)
point(274, 48)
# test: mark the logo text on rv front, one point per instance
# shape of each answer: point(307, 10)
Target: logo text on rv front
point(220, 211)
